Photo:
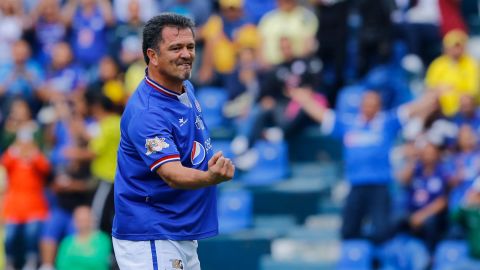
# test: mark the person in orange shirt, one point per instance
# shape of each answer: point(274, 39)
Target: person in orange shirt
point(24, 203)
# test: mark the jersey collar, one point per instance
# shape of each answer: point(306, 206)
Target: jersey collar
point(159, 87)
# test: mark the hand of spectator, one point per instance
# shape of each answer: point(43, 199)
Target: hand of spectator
point(417, 219)
point(220, 168)
point(267, 103)
point(70, 152)
point(301, 95)
point(62, 183)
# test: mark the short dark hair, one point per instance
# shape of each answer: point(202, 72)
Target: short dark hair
point(152, 32)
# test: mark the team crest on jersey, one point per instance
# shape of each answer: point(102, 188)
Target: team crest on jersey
point(199, 123)
point(197, 105)
point(177, 264)
point(155, 145)
point(198, 153)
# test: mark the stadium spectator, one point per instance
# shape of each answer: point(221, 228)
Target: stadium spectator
point(20, 78)
point(274, 107)
point(223, 34)
point(87, 248)
point(367, 141)
point(127, 39)
point(11, 27)
point(49, 29)
point(332, 36)
point(468, 114)
point(63, 78)
point(243, 85)
point(89, 20)
point(19, 116)
point(374, 34)
point(426, 184)
point(465, 165)
point(419, 23)
point(290, 20)
point(148, 9)
point(109, 82)
point(102, 152)
point(468, 215)
point(24, 206)
point(198, 11)
point(455, 73)
point(71, 185)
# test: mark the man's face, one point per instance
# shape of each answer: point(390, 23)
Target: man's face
point(456, 51)
point(371, 104)
point(176, 54)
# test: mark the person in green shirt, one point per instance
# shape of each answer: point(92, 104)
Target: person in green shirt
point(88, 248)
point(468, 215)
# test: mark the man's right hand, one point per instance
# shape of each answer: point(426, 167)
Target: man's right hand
point(220, 168)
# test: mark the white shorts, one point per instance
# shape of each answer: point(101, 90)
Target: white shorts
point(156, 255)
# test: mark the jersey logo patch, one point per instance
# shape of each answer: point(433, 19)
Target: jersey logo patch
point(198, 153)
point(199, 123)
point(155, 145)
point(177, 264)
point(182, 121)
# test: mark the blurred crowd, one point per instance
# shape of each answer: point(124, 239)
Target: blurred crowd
point(67, 68)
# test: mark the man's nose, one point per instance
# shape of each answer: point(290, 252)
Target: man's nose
point(185, 53)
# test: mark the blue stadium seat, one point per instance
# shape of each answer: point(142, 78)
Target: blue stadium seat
point(355, 255)
point(212, 100)
point(235, 208)
point(257, 8)
point(403, 252)
point(450, 254)
point(224, 146)
point(269, 263)
point(272, 165)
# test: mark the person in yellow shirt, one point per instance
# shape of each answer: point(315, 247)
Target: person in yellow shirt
point(292, 20)
point(455, 73)
point(225, 35)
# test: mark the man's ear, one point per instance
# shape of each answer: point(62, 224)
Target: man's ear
point(153, 56)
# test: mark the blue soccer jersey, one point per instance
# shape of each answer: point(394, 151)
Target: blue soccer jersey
point(424, 189)
point(160, 126)
point(366, 145)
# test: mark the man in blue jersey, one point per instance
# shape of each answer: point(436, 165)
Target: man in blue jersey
point(367, 140)
point(165, 195)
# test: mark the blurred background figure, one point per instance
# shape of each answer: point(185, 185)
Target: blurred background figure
point(68, 67)
point(102, 153)
point(454, 73)
point(224, 34)
point(88, 248)
point(63, 78)
point(274, 108)
point(12, 24)
point(292, 20)
point(20, 78)
point(426, 184)
point(49, 29)
point(89, 21)
point(127, 39)
point(24, 206)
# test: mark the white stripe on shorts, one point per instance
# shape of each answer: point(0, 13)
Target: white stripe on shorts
point(170, 255)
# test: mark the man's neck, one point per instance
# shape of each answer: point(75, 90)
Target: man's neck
point(173, 85)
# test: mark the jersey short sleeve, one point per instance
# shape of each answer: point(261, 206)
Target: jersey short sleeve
point(151, 134)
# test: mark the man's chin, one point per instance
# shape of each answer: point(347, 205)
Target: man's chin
point(187, 75)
